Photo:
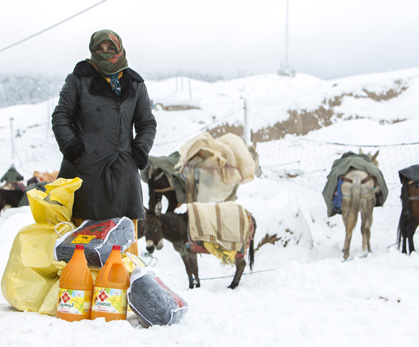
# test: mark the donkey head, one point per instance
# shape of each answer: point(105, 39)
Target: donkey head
point(152, 229)
point(255, 156)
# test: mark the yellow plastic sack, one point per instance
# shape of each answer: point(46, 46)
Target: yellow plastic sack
point(30, 280)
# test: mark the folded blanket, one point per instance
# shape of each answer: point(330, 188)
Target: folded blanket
point(225, 224)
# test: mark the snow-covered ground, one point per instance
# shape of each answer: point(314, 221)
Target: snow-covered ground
point(299, 295)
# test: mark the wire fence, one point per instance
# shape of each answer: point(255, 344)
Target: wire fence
point(308, 162)
point(293, 158)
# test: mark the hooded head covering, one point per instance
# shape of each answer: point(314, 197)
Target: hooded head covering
point(107, 63)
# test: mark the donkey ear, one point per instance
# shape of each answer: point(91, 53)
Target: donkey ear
point(254, 145)
point(374, 157)
point(146, 211)
point(360, 151)
point(158, 209)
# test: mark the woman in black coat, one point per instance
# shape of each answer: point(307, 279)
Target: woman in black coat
point(100, 105)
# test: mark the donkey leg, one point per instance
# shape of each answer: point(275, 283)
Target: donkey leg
point(347, 244)
point(189, 268)
point(350, 223)
point(366, 230)
point(194, 264)
point(240, 265)
point(191, 265)
point(404, 244)
point(233, 194)
point(173, 203)
point(190, 186)
point(411, 228)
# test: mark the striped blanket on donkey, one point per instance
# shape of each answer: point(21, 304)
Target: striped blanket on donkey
point(222, 229)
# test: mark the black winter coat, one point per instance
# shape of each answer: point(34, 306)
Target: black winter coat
point(94, 130)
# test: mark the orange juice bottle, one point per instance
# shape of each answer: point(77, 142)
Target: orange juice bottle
point(75, 288)
point(110, 292)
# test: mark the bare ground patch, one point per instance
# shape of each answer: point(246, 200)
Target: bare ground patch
point(300, 122)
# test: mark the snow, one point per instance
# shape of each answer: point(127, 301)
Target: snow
point(301, 294)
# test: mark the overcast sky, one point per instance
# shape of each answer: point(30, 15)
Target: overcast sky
point(327, 38)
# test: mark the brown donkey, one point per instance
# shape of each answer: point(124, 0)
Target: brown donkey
point(175, 228)
point(409, 217)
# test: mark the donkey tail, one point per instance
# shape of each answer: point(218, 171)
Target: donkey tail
point(251, 256)
point(355, 202)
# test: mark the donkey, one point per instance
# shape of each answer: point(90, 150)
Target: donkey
point(10, 198)
point(409, 217)
point(359, 190)
point(161, 183)
point(174, 228)
point(196, 166)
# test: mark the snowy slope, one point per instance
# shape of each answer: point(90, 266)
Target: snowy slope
point(298, 295)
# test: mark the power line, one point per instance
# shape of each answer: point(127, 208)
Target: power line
point(52, 26)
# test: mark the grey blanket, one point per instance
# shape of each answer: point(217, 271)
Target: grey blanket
point(341, 166)
point(167, 163)
point(411, 173)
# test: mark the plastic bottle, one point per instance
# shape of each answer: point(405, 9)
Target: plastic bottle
point(110, 291)
point(75, 288)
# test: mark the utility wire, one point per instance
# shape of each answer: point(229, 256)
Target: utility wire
point(52, 26)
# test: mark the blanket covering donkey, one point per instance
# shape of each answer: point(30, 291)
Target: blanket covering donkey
point(225, 230)
point(355, 185)
point(213, 169)
point(217, 165)
point(341, 166)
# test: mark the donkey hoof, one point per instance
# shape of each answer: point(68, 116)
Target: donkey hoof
point(233, 285)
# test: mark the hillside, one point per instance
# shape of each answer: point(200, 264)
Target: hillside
point(300, 292)
point(276, 106)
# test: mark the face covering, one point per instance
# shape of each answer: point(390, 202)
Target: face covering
point(107, 63)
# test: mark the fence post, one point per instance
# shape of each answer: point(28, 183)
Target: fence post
point(246, 128)
point(12, 139)
point(48, 119)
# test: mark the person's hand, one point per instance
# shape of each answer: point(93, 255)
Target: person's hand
point(74, 150)
point(140, 156)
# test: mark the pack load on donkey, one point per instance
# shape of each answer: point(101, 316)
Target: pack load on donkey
point(204, 169)
point(340, 167)
point(220, 229)
point(218, 166)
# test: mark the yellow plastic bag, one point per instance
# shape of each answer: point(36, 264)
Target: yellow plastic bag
point(31, 273)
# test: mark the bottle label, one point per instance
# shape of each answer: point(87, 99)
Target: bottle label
point(74, 301)
point(109, 300)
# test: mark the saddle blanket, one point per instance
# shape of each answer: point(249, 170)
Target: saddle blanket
point(225, 224)
point(341, 166)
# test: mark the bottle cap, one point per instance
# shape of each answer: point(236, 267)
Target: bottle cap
point(116, 248)
point(80, 247)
